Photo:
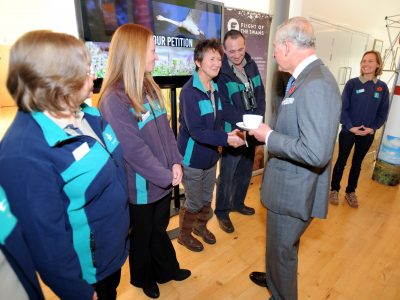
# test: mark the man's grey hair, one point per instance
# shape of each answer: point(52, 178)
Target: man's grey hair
point(297, 30)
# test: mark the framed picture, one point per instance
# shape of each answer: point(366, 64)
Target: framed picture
point(378, 45)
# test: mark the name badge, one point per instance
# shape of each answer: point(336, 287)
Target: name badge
point(287, 101)
point(360, 91)
point(145, 116)
point(81, 151)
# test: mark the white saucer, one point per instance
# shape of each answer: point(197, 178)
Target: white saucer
point(241, 125)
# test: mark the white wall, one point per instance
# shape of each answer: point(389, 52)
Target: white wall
point(366, 16)
point(20, 16)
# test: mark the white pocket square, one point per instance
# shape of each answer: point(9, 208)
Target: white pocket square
point(287, 101)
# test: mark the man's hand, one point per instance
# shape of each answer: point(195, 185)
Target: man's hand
point(261, 132)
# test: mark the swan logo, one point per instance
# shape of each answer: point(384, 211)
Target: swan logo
point(109, 137)
point(233, 24)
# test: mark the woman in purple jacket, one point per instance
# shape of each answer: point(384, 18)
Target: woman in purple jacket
point(364, 110)
point(132, 103)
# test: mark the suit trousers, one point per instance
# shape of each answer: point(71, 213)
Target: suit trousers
point(236, 168)
point(283, 239)
point(361, 147)
point(152, 257)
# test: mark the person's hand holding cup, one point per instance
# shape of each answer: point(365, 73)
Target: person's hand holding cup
point(252, 121)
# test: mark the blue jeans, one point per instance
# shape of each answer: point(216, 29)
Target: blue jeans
point(361, 146)
point(236, 167)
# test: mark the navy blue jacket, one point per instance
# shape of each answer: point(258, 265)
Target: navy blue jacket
point(15, 249)
point(230, 88)
point(364, 104)
point(200, 133)
point(69, 194)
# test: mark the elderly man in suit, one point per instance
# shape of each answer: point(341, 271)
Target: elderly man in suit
point(296, 181)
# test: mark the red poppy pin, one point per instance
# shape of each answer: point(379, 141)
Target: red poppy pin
point(379, 89)
point(291, 91)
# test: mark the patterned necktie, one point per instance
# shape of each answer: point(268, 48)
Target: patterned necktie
point(289, 84)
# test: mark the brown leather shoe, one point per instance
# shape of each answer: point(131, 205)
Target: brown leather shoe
point(351, 199)
point(334, 197)
point(259, 278)
point(226, 225)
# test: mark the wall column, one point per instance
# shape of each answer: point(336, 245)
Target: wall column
point(279, 9)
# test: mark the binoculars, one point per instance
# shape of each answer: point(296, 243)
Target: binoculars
point(248, 97)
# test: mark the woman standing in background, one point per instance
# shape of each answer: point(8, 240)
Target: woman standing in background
point(364, 110)
point(133, 104)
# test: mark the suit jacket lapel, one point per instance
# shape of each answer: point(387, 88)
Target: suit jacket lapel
point(302, 76)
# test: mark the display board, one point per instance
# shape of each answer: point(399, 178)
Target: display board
point(177, 26)
point(255, 27)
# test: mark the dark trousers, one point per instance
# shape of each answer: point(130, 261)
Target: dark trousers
point(361, 147)
point(283, 240)
point(106, 289)
point(152, 257)
point(236, 167)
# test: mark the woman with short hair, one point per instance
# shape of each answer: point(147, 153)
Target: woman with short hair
point(199, 136)
point(61, 167)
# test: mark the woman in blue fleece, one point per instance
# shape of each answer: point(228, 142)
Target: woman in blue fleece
point(365, 109)
point(199, 136)
point(133, 104)
point(62, 169)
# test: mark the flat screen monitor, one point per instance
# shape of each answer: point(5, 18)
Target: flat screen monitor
point(177, 26)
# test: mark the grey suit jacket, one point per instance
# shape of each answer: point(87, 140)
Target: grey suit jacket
point(297, 176)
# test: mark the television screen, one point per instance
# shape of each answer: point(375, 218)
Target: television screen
point(177, 26)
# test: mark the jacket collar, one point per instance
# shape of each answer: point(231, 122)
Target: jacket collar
point(53, 133)
point(226, 68)
point(364, 80)
point(197, 83)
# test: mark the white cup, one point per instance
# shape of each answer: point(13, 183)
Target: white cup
point(252, 121)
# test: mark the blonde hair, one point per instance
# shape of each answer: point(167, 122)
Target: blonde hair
point(46, 71)
point(378, 71)
point(127, 62)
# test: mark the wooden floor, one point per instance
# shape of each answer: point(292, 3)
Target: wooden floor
point(352, 255)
